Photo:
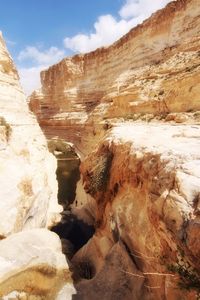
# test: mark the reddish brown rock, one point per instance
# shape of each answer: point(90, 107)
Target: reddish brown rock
point(153, 69)
point(121, 107)
point(145, 183)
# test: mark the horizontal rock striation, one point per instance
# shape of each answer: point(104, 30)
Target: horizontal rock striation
point(140, 177)
point(155, 68)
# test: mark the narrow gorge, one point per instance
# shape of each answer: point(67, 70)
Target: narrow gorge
point(100, 175)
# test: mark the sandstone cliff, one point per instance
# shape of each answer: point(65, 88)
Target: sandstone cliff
point(28, 196)
point(32, 265)
point(145, 180)
point(140, 170)
point(153, 69)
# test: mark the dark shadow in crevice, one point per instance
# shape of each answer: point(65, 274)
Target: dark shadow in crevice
point(83, 269)
point(67, 176)
point(74, 230)
point(67, 172)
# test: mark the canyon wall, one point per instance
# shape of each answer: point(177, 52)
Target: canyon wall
point(122, 107)
point(32, 265)
point(144, 184)
point(28, 196)
point(152, 69)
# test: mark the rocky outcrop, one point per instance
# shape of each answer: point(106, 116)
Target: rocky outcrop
point(32, 265)
point(132, 111)
point(155, 69)
point(145, 180)
point(28, 195)
point(39, 272)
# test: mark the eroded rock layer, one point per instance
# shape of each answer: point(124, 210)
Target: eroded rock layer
point(28, 195)
point(140, 177)
point(145, 185)
point(32, 265)
point(155, 68)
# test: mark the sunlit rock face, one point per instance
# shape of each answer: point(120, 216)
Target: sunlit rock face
point(145, 184)
point(33, 267)
point(121, 106)
point(28, 194)
point(153, 69)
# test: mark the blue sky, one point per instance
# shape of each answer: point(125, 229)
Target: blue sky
point(40, 33)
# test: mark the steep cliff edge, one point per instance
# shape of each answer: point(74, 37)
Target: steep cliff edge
point(155, 68)
point(145, 185)
point(140, 170)
point(28, 195)
point(32, 265)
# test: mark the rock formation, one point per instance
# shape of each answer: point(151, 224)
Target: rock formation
point(153, 69)
point(145, 180)
point(28, 196)
point(32, 265)
point(41, 271)
point(140, 173)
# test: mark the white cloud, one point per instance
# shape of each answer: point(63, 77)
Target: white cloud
point(30, 78)
point(49, 56)
point(108, 29)
point(140, 8)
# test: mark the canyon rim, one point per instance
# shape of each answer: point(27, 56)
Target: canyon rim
point(100, 175)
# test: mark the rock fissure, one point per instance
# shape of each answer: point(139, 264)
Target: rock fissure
point(130, 225)
point(73, 232)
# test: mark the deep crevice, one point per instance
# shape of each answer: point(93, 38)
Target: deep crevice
point(73, 232)
point(67, 171)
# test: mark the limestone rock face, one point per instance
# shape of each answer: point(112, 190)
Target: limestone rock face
point(28, 194)
point(132, 111)
point(145, 180)
point(153, 69)
point(32, 263)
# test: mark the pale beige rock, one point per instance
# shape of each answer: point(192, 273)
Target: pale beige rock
point(32, 262)
point(153, 69)
point(28, 195)
point(143, 178)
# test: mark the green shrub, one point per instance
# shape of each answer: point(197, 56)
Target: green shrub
point(188, 277)
point(101, 173)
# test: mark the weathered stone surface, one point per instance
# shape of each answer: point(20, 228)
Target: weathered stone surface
point(140, 186)
point(155, 68)
point(114, 279)
point(28, 194)
point(146, 183)
point(32, 266)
